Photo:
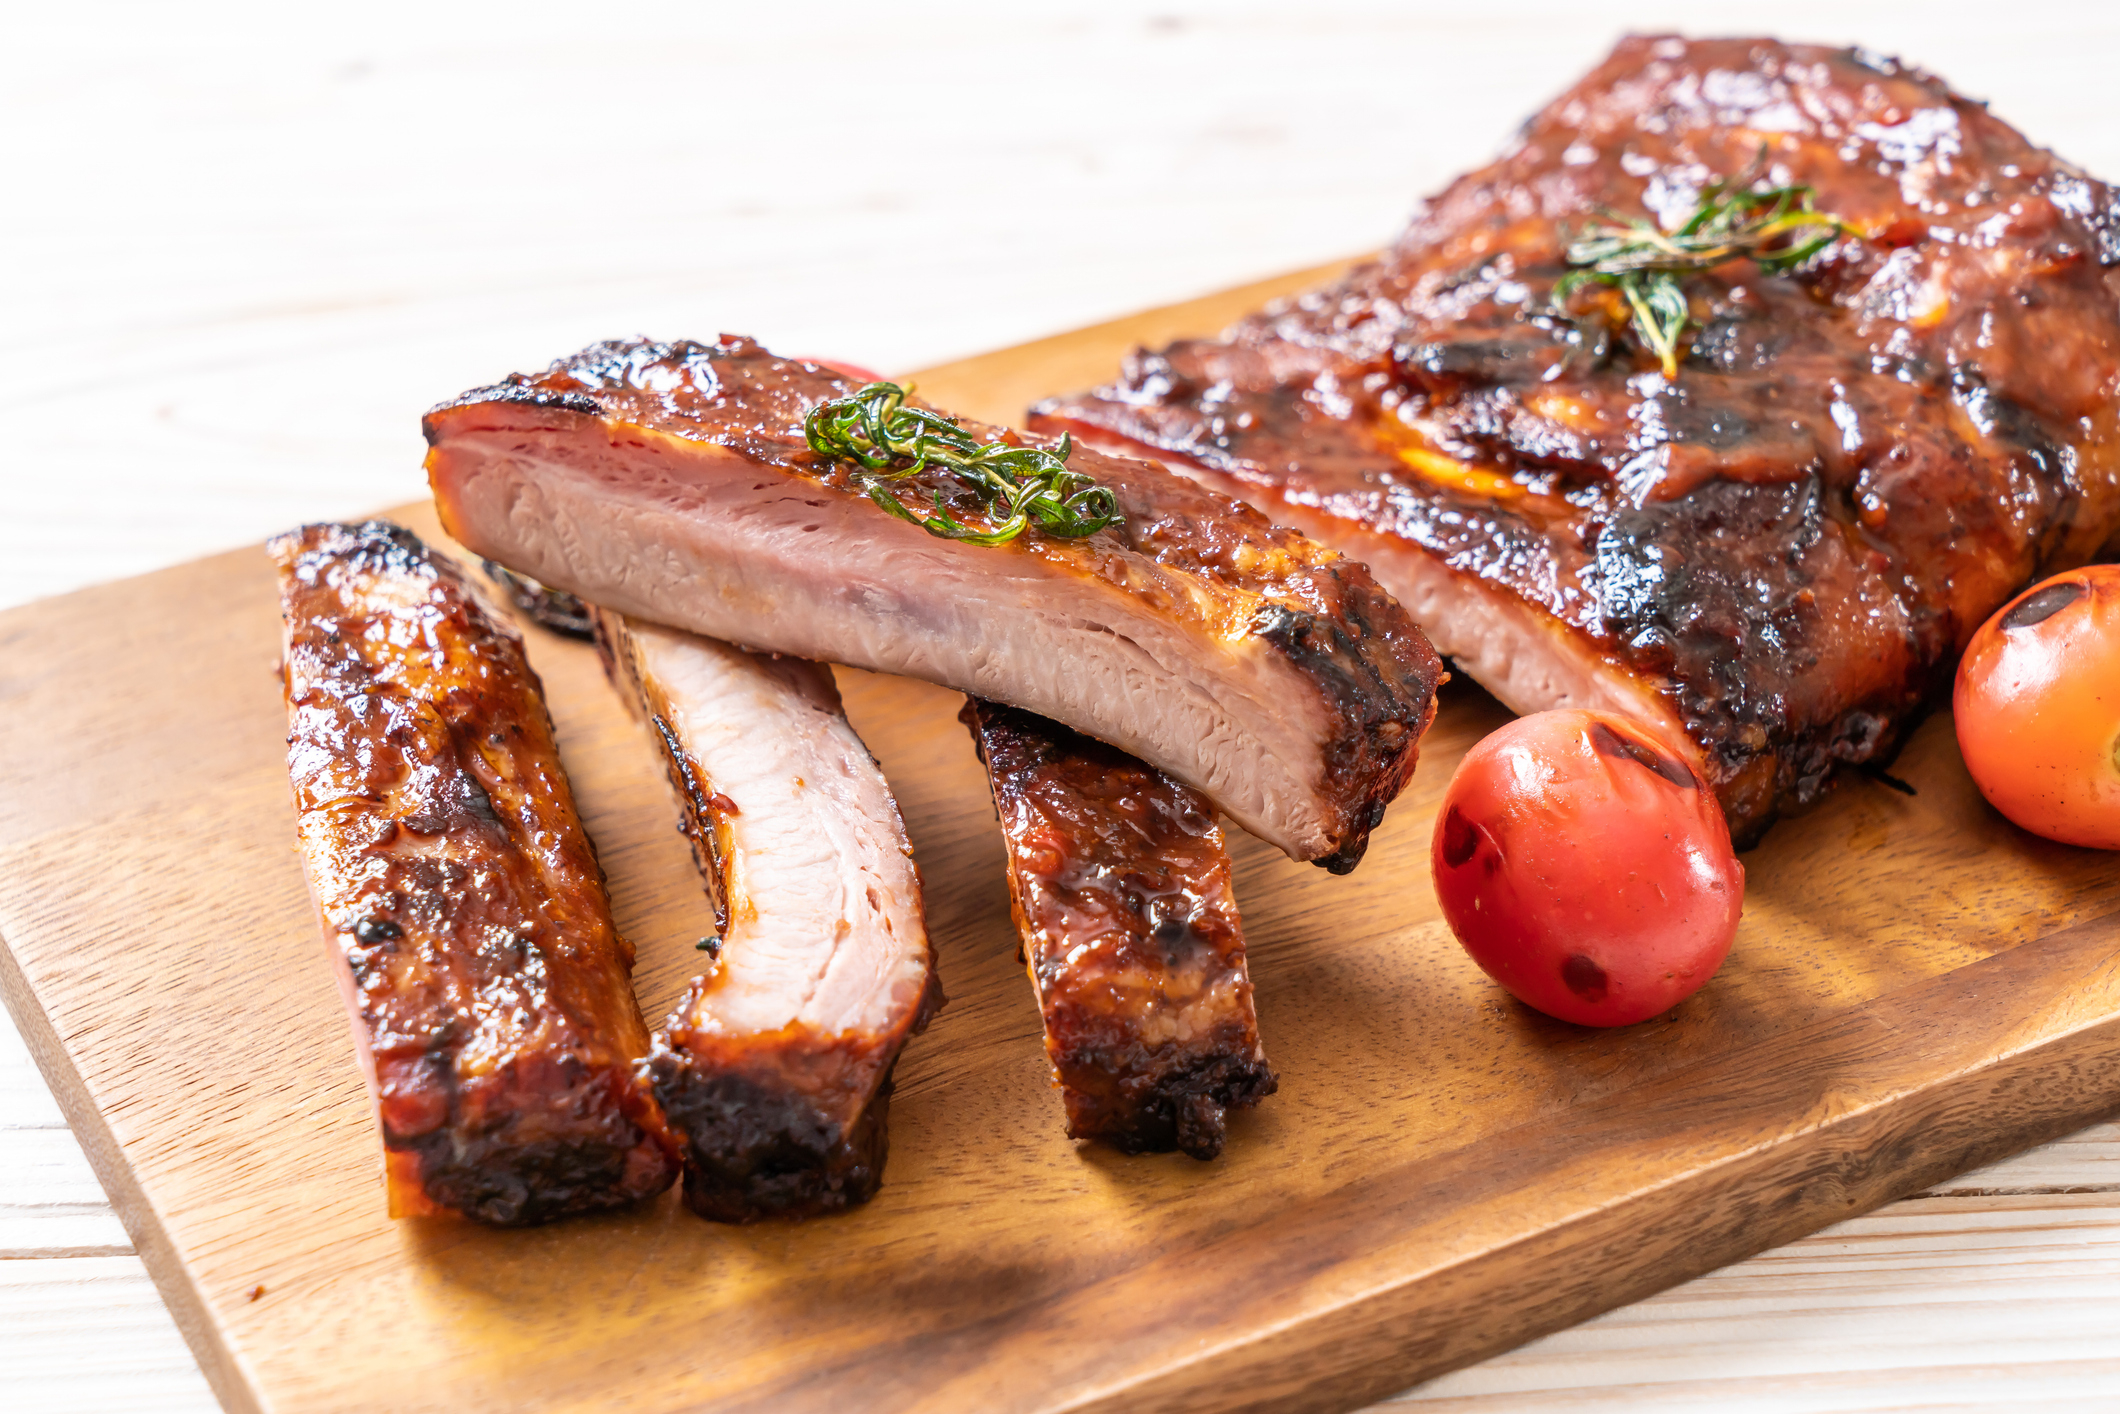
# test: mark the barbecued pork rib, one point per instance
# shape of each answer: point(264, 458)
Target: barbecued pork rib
point(1121, 892)
point(775, 1069)
point(672, 482)
point(488, 989)
point(1778, 554)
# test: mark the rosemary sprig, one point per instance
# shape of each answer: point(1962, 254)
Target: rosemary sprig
point(888, 441)
point(1646, 264)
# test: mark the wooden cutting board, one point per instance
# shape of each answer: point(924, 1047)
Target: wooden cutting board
point(1917, 988)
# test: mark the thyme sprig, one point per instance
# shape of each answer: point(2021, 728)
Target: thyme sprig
point(888, 441)
point(1647, 264)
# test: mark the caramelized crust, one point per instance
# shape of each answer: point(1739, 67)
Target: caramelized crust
point(672, 482)
point(1781, 553)
point(1121, 892)
point(489, 992)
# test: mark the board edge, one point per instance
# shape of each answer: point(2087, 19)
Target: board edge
point(186, 1304)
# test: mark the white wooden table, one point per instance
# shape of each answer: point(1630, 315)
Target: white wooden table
point(245, 247)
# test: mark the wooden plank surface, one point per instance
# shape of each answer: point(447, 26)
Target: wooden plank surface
point(1966, 1303)
point(305, 238)
point(354, 207)
point(1917, 988)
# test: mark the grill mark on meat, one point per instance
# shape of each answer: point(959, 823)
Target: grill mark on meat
point(1774, 559)
point(552, 609)
point(775, 1068)
point(1120, 887)
point(1249, 662)
point(489, 989)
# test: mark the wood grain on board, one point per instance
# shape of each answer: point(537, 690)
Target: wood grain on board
point(1917, 988)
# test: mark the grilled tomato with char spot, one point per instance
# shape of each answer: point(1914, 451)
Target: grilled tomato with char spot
point(1587, 868)
point(2038, 708)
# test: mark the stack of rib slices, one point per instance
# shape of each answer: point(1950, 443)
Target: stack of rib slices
point(1159, 658)
point(1762, 522)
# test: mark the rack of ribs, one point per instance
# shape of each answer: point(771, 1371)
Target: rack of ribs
point(1774, 556)
point(490, 994)
point(1121, 892)
point(674, 483)
point(775, 1069)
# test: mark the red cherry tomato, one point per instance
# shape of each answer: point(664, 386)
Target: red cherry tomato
point(1586, 868)
point(2038, 708)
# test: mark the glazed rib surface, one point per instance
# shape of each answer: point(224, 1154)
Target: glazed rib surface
point(489, 991)
point(1775, 556)
point(673, 483)
point(775, 1067)
point(1120, 886)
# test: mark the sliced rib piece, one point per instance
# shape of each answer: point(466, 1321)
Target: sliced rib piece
point(775, 1069)
point(1778, 554)
point(489, 992)
point(1121, 891)
point(672, 482)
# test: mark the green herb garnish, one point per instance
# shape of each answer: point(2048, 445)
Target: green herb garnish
point(888, 441)
point(1645, 263)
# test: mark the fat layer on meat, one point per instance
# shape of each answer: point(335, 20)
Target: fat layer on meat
point(1774, 556)
point(489, 991)
point(775, 1068)
point(673, 483)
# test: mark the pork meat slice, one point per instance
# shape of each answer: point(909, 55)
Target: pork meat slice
point(1121, 890)
point(490, 993)
point(775, 1069)
point(673, 483)
point(1776, 555)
